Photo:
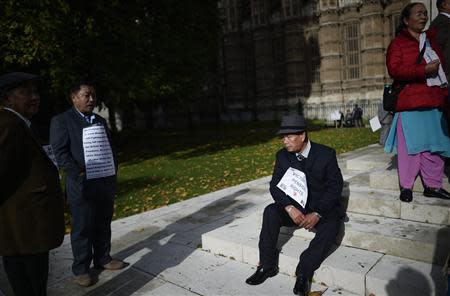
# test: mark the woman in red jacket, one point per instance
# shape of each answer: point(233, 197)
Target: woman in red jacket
point(419, 131)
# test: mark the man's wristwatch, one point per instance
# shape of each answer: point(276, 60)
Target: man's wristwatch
point(290, 209)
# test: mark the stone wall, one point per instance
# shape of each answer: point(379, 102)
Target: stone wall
point(276, 82)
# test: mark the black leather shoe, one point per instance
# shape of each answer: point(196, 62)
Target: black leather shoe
point(302, 286)
point(406, 195)
point(436, 192)
point(261, 275)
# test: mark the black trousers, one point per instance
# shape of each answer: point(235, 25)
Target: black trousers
point(27, 274)
point(274, 217)
point(91, 207)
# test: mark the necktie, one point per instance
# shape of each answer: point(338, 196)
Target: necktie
point(87, 118)
point(300, 157)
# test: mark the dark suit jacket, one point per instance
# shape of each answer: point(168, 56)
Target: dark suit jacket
point(323, 177)
point(31, 201)
point(442, 24)
point(66, 138)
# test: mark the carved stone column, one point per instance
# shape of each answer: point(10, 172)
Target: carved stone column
point(330, 51)
point(372, 49)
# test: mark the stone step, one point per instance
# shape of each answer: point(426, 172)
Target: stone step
point(388, 179)
point(174, 269)
point(331, 291)
point(407, 239)
point(358, 197)
point(346, 268)
point(375, 159)
point(398, 276)
point(371, 149)
point(386, 203)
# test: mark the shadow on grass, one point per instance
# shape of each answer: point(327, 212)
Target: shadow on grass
point(135, 146)
point(182, 146)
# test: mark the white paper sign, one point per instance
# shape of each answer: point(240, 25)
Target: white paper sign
point(294, 184)
point(375, 123)
point(49, 150)
point(98, 157)
point(335, 115)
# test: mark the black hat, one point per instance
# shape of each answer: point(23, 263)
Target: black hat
point(292, 124)
point(13, 79)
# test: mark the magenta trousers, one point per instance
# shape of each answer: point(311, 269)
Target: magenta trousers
point(430, 166)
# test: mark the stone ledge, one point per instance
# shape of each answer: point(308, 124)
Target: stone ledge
point(345, 268)
point(386, 203)
point(407, 239)
point(388, 179)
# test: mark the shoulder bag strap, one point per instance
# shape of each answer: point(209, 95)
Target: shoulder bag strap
point(420, 56)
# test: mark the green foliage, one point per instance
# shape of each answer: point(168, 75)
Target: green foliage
point(133, 50)
point(157, 169)
point(161, 168)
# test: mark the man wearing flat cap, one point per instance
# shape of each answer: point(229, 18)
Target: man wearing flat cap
point(312, 170)
point(31, 201)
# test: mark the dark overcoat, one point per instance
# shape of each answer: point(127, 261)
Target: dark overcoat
point(31, 200)
point(442, 25)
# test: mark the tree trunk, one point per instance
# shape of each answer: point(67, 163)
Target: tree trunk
point(112, 117)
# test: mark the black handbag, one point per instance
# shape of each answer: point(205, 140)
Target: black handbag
point(390, 93)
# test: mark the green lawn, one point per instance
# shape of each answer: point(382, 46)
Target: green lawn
point(160, 168)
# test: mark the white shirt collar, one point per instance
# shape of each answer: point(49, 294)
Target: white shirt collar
point(446, 14)
point(28, 122)
point(305, 151)
point(90, 117)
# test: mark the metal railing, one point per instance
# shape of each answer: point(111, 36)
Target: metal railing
point(323, 110)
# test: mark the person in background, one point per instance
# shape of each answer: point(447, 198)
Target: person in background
point(31, 200)
point(91, 200)
point(419, 133)
point(442, 25)
point(339, 122)
point(357, 116)
point(348, 118)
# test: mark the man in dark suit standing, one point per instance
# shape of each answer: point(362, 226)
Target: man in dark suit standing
point(31, 201)
point(91, 200)
point(322, 211)
point(442, 24)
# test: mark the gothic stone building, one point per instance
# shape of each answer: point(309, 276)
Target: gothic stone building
point(282, 56)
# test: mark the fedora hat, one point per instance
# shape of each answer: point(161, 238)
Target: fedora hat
point(292, 124)
point(13, 79)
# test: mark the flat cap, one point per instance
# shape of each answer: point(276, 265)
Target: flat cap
point(13, 79)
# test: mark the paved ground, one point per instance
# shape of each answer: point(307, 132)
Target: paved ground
point(163, 248)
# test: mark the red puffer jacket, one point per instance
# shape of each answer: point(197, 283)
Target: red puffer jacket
point(401, 63)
